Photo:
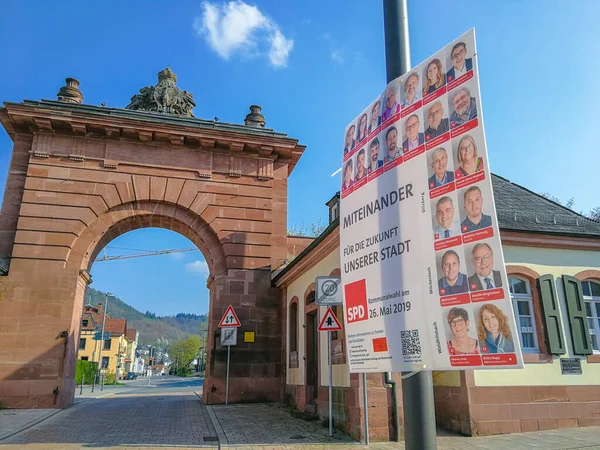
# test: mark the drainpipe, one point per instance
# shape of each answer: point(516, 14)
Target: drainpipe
point(389, 382)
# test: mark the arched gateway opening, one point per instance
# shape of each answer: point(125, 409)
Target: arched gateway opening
point(82, 175)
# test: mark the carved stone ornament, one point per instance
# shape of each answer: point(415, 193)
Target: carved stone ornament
point(164, 98)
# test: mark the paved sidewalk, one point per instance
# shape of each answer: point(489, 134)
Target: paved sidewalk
point(139, 417)
point(271, 427)
point(13, 421)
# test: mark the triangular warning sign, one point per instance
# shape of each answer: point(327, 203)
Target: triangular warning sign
point(230, 319)
point(329, 322)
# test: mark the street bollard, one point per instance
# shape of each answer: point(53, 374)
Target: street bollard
point(101, 382)
point(93, 382)
point(81, 389)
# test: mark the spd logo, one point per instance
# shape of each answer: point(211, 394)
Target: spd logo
point(356, 301)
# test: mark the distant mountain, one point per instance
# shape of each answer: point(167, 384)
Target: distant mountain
point(150, 326)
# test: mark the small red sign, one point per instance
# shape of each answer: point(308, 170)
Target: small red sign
point(477, 235)
point(457, 130)
point(380, 345)
point(408, 155)
point(446, 243)
point(465, 360)
point(412, 108)
point(469, 179)
point(453, 300)
point(356, 301)
point(446, 188)
point(433, 143)
point(500, 359)
point(484, 296)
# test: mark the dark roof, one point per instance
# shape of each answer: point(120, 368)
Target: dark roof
point(151, 117)
point(517, 208)
point(520, 209)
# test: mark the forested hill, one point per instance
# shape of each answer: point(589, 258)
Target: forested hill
point(150, 326)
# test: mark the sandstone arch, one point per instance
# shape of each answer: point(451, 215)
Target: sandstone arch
point(80, 176)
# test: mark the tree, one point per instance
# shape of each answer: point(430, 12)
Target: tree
point(593, 214)
point(313, 230)
point(184, 351)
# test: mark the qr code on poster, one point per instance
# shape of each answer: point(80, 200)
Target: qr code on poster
point(411, 345)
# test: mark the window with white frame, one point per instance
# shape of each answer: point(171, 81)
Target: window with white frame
point(520, 292)
point(591, 296)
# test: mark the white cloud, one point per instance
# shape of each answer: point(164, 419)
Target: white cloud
point(177, 256)
point(336, 52)
point(198, 266)
point(236, 27)
point(336, 55)
point(280, 49)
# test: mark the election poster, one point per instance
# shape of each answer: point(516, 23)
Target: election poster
point(423, 277)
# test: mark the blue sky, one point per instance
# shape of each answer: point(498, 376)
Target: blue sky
point(312, 66)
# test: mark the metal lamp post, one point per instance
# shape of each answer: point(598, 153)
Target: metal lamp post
point(108, 294)
point(417, 388)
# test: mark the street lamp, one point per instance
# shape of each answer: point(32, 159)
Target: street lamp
point(108, 294)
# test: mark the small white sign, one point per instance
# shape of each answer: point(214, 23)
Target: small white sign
point(328, 291)
point(228, 336)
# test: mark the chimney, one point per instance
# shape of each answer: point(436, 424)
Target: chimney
point(334, 207)
point(70, 93)
point(255, 118)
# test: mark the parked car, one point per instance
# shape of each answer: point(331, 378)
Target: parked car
point(131, 376)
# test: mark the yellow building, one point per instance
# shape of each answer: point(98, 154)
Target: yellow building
point(112, 352)
point(132, 340)
point(552, 258)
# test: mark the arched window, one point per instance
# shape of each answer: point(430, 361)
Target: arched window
point(591, 296)
point(294, 327)
point(520, 292)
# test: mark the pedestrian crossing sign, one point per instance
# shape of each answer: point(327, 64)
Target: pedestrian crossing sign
point(330, 322)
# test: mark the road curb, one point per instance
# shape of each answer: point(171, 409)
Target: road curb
point(29, 425)
point(223, 441)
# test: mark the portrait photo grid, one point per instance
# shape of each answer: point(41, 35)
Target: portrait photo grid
point(433, 113)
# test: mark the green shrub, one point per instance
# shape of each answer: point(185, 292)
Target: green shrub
point(86, 368)
point(109, 378)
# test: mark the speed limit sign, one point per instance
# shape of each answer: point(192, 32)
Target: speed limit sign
point(328, 291)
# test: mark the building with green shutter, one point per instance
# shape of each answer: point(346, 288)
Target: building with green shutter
point(552, 257)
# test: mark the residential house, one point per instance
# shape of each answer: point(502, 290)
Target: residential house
point(552, 257)
point(111, 351)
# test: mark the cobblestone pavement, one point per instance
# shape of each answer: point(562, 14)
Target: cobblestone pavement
point(150, 417)
point(271, 427)
point(269, 424)
point(169, 415)
point(14, 420)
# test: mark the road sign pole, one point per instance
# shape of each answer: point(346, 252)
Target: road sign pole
point(417, 390)
point(366, 406)
point(103, 324)
point(330, 385)
point(227, 377)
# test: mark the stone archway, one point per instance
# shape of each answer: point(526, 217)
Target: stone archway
point(82, 175)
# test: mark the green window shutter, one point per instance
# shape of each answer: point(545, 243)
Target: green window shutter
point(580, 333)
point(554, 335)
